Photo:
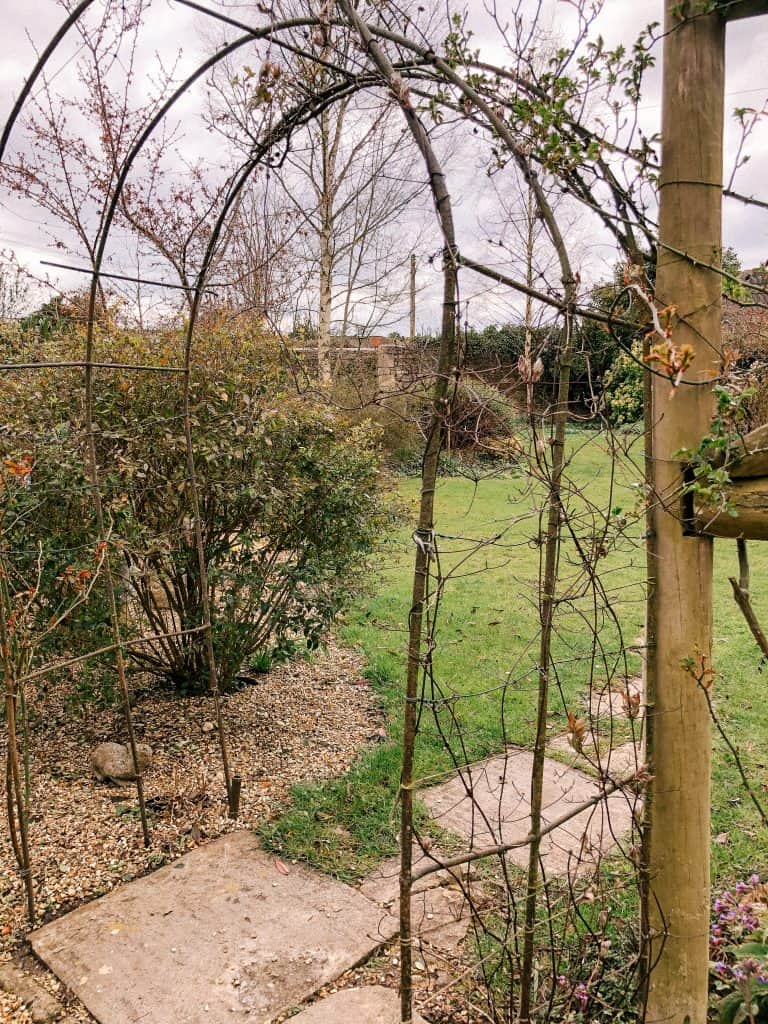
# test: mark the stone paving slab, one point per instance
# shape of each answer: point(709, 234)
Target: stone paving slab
point(499, 811)
point(439, 912)
point(220, 935)
point(618, 700)
point(372, 1005)
point(617, 762)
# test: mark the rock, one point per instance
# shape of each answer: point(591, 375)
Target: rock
point(41, 1005)
point(113, 761)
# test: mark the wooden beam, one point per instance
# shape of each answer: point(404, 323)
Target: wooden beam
point(680, 598)
point(733, 10)
point(746, 517)
point(754, 461)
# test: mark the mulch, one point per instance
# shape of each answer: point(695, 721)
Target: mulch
point(303, 721)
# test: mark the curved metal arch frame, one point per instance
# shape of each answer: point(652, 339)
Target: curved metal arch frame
point(311, 108)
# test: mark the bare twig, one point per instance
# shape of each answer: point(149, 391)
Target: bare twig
point(741, 594)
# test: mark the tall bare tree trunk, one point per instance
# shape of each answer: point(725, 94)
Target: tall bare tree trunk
point(326, 255)
point(548, 602)
point(530, 239)
point(412, 326)
point(681, 600)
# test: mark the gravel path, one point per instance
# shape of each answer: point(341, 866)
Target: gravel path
point(302, 721)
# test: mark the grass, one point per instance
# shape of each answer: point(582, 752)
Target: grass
point(486, 651)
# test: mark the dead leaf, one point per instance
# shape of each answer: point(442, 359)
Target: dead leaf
point(282, 867)
point(577, 729)
point(721, 838)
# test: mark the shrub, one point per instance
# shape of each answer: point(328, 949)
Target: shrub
point(483, 419)
point(623, 388)
point(288, 499)
point(397, 418)
point(756, 404)
point(46, 517)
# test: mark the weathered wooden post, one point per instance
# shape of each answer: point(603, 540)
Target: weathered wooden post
point(680, 595)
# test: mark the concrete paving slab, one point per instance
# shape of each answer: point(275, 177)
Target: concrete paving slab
point(439, 915)
point(222, 934)
point(617, 762)
point(618, 700)
point(383, 885)
point(498, 809)
point(372, 1005)
point(439, 912)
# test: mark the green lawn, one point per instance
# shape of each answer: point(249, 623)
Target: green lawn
point(485, 653)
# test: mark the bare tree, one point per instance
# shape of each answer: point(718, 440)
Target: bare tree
point(348, 178)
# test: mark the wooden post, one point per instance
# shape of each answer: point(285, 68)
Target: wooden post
point(681, 600)
point(413, 298)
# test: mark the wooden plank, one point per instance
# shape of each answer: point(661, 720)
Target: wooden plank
point(755, 464)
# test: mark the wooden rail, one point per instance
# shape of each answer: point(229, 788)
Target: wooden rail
point(746, 515)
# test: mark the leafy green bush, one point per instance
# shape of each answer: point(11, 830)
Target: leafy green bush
point(623, 388)
point(289, 501)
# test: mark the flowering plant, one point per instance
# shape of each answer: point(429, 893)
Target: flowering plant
point(739, 947)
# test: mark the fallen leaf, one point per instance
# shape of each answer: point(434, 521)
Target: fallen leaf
point(721, 838)
point(282, 867)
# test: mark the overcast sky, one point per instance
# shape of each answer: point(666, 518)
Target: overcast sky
point(170, 27)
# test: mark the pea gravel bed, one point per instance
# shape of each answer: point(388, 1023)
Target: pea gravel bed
point(302, 721)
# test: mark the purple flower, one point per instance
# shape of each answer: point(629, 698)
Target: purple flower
point(581, 995)
point(754, 879)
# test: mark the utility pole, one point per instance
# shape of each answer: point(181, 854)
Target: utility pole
point(413, 298)
point(680, 596)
